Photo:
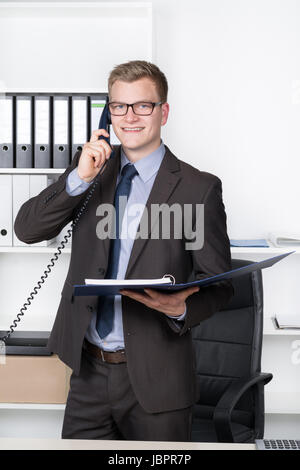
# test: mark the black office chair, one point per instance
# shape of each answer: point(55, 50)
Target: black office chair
point(230, 385)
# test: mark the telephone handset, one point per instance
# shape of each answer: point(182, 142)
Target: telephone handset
point(104, 123)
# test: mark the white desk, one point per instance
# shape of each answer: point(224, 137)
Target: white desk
point(74, 444)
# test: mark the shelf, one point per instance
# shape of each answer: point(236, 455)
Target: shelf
point(33, 249)
point(32, 171)
point(275, 403)
point(265, 251)
point(52, 248)
point(77, 8)
point(282, 402)
point(270, 330)
point(32, 406)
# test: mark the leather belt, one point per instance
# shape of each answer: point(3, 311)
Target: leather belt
point(114, 357)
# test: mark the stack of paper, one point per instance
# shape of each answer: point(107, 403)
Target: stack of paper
point(287, 321)
point(167, 279)
point(284, 238)
point(258, 242)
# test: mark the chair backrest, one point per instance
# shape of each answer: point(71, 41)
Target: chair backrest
point(228, 346)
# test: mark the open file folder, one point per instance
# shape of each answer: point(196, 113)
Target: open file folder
point(114, 288)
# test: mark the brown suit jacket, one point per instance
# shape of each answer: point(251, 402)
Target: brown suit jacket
point(159, 351)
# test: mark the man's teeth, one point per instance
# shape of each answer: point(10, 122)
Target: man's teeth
point(133, 128)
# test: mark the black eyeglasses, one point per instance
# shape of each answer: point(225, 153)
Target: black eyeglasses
point(141, 108)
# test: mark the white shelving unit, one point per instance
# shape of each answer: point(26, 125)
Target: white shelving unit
point(64, 37)
point(271, 330)
point(32, 406)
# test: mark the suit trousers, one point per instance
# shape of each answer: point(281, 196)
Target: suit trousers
point(102, 405)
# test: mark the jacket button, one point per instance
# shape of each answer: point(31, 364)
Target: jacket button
point(101, 270)
point(90, 308)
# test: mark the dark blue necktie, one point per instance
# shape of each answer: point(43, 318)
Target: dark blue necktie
point(105, 310)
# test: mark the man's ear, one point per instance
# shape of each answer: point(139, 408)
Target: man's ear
point(165, 107)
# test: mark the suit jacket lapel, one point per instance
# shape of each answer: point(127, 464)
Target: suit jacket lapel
point(165, 182)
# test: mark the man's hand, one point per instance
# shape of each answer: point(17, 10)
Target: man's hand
point(170, 304)
point(93, 155)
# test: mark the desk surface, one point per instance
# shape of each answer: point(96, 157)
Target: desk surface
point(76, 444)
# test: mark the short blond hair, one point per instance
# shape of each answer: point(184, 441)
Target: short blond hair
point(136, 69)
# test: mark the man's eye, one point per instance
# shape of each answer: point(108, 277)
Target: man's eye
point(118, 106)
point(144, 105)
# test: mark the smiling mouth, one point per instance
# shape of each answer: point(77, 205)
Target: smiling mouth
point(132, 129)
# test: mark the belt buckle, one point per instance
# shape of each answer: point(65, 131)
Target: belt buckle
point(102, 356)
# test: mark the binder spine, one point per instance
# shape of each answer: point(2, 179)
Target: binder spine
point(6, 132)
point(79, 120)
point(42, 132)
point(61, 132)
point(6, 155)
point(24, 132)
point(97, 103)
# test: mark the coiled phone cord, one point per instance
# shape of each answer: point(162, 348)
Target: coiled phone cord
point(55, 257)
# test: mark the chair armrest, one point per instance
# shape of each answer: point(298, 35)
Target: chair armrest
point(223, 409)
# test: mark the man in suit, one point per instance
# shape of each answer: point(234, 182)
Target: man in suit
point(132, 356)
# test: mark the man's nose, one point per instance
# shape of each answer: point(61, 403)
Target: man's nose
point(130, 116)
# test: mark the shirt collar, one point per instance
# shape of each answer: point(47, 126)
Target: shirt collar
point(149, 165)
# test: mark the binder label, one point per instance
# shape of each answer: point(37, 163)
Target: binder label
point(24, 122)
point(61, 122)
point(5, 120)
point(42, 122)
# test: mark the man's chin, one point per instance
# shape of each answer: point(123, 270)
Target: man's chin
point(137, 147)
point(133, 146)
point(132, 141)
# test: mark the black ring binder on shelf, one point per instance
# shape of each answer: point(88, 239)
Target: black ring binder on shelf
point(45, 130)
point(6, 131)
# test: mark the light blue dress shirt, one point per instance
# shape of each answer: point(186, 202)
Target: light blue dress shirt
point(142, 183)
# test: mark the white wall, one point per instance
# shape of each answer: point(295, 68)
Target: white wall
point(233, 68)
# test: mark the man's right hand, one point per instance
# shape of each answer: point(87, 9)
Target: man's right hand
point(93, 156)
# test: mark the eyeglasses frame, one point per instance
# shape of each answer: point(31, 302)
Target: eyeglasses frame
point(131, 106)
